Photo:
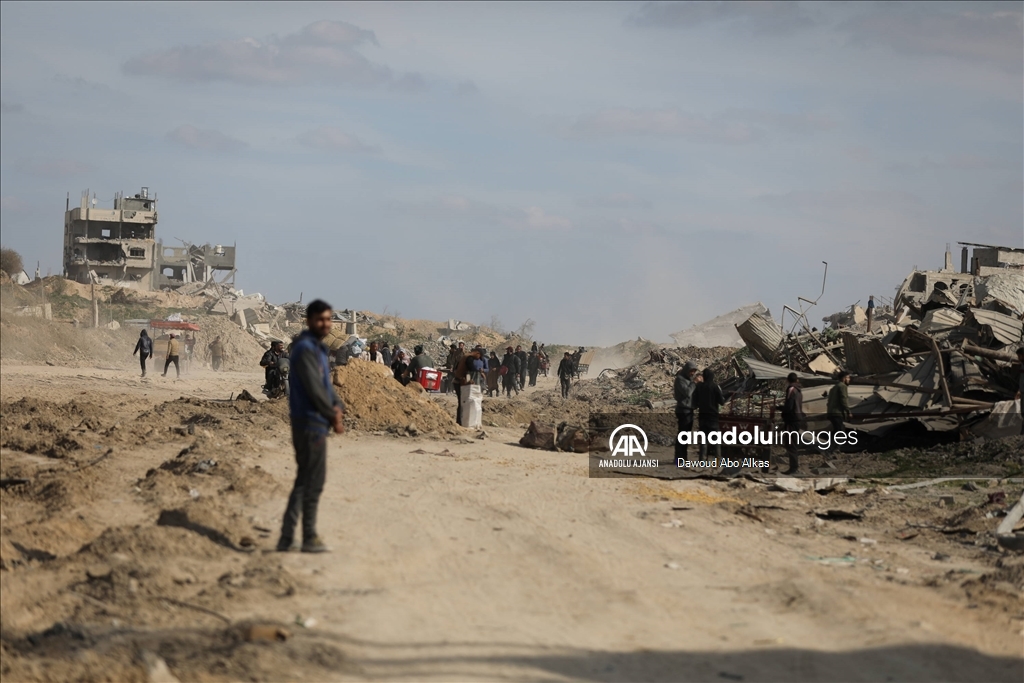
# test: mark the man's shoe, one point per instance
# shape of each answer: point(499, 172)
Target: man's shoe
point(284, 545)
point(314, 545)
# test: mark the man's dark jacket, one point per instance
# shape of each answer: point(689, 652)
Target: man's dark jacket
point(312, 398)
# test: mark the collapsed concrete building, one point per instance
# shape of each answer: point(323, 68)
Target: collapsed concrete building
point(119, 246)
point(943, 353)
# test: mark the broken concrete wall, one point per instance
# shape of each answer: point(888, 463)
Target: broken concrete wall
point(720, 331)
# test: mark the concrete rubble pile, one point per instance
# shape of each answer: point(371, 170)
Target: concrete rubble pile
point(252, 312)
point(941, 352)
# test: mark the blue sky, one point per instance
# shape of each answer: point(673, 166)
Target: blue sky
point(608, 170)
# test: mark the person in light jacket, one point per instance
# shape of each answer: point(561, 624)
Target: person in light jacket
point(372, 354)
point(173, 351)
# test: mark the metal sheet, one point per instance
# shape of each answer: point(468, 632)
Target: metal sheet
point(868, 356)
point(925, 375)
point(762, 335)
point(1003, 328)
point(766, 371)
point(940, 319)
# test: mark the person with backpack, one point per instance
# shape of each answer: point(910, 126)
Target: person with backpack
point(144, 347)
point(793, 419)
point(709, 397)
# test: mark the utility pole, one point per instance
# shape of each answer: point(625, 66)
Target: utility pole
point(95, 303)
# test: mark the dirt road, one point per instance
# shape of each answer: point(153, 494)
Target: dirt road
point(473, 559)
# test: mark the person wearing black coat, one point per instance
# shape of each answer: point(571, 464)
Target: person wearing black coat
point(510, 365)
point(709, 397)
point(566, 370)
point(793, 418)
point(533, 366)
point(683, 390)
point(144, 347)
point(521, 356)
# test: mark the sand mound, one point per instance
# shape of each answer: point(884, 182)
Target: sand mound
point(242, 351)
point(376, 402)
point(51, 429)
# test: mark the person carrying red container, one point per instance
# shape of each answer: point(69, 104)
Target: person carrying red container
point(420, 360)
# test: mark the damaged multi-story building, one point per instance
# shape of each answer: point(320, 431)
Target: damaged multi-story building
point(119, 246)
point(948, 287)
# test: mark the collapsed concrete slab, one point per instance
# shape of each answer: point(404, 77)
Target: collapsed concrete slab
point(719, 331)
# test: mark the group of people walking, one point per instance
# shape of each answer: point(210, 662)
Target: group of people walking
point(509, 374)
point(701, 395)
point(177, 352)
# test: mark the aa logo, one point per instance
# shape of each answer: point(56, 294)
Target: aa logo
point(628, 445)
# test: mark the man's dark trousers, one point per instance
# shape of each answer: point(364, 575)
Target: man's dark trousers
point(684, 421)
point(458, 398)
point(837, 426)
point(311, 457)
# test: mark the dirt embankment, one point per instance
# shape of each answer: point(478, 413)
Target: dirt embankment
point(135, 533)
point(376, 402)
point(58, 342)
point(167, 555)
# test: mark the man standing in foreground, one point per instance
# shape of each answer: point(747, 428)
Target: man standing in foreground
point(839, 405)
point(315, 408)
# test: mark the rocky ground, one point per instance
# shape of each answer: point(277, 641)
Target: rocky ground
point(139, 516)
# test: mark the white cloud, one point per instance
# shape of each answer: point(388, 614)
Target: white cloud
point(760, 16)
point(474, 214)
point(10, 203)
point(955, 162)
point(466, 88)
point(975, 32)
point(322, 52)
point(53, 168)
point(801, 122)
point(334, 139)
point(616, 200)
point(663, 123)
point(205, 140)
point(538, 219)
